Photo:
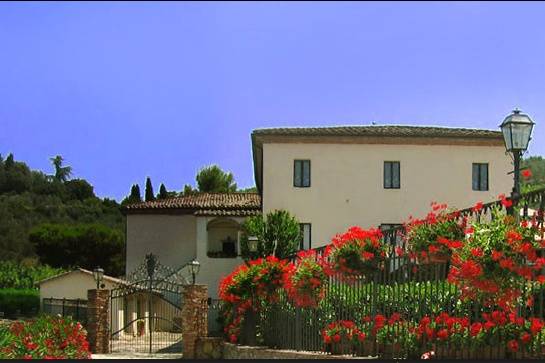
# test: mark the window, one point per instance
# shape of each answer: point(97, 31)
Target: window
point(391, 175)
point(306, 235)
point(480, 176)
point(301, 173)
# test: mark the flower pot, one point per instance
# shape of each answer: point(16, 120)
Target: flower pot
point(389, 351)
point(434, 258)
point(365, 348)
point(490, 352)
point(341, 348)
point(141, 327)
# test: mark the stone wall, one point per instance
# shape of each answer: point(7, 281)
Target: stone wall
point(209, 348)
point(98, 331)
point(194, 317)
point(233, 351)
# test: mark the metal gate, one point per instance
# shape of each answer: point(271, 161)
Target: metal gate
point(145, 310)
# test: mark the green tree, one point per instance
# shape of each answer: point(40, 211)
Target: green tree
point(212, 179)
point(81, 245)
point(79, 189)
point(248, 190)
point(149, 190)
point(62, 173)
point(16, 176)
point(188, 190)
point(536, 165)
point(163, 193)
point(278, 234)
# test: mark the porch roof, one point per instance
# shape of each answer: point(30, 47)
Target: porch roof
point(224, 204)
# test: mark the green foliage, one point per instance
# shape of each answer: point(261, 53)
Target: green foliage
point(26, 301)
point(79, 189)
point(149, 190)
point(134, 196)
point(212, 179)
point(30, 198)
point(82, 245)
point(248, 190)
point(163, 193)
point(278, 234)
point(24, 275)
point(62, 173)
point(536, 164)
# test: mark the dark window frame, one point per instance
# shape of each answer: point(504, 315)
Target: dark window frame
point(390, 168)
point(480, 187)
point(301, 162)
point(302, 231)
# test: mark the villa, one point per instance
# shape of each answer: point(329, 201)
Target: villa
point(329, 178)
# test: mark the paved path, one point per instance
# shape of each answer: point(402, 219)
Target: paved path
point(137, 356)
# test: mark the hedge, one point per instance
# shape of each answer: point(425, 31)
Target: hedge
point(26, 301)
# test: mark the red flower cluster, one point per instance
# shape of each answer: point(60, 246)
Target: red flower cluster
point(47, 337)
point(342, 330)
point(355, 252)
point(260, 279)
point(304, 281)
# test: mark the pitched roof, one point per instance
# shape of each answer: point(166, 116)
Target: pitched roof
point(79, 269)
point(379, 134)
point(239, 204)
point(389, 130)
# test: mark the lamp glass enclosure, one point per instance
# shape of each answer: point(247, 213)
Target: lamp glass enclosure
point(517, 131)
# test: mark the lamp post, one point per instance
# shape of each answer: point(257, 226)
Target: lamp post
point(252, 244)
point(517, 130)
point(194, 267)
point(98, 274)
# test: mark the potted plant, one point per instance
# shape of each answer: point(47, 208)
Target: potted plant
point(340, 336)
point(305, 280)
point(355, 253)
point(244, 290)
point(141, 327)
point(431, 239)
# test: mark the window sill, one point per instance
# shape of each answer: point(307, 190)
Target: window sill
point(221, 255)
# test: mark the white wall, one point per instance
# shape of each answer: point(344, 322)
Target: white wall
point(347, 182)
point(170, 237)
point(73, 285)
point(212, 269)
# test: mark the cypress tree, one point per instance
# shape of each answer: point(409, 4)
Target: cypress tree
point(163, 193)
point(149, 190)
point(135, 196)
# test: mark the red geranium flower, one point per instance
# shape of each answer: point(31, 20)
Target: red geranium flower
point(527, 173)
point(513, 345)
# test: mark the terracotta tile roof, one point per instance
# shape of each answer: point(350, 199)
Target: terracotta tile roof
point(389, 130)
point(206, 204)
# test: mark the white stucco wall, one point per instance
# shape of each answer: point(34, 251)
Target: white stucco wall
point(170, 237)
point(73, 285)
point(212, 269)
point(347, 182)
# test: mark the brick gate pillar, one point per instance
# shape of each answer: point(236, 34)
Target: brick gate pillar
point(194, 317)
point(98, 332)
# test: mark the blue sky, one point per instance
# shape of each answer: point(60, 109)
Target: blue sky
point(128, 90)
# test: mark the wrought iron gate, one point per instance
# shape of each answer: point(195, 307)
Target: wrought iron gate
point(145, 310)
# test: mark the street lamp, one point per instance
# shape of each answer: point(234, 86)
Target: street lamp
point(98, 273)
point(517, 130)
point(194, 267)
point(252, 244)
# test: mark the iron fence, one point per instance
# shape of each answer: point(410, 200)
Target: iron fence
point(403, 286)
point(74, 308)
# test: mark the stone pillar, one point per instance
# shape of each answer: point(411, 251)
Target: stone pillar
point(98, 332)
point(194, 317)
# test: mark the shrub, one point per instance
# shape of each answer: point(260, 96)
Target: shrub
point(23, 276)
point(47, 337)
point(26, 301)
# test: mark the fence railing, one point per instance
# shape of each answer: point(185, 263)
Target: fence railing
point(403, 286)
point(74, 308)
